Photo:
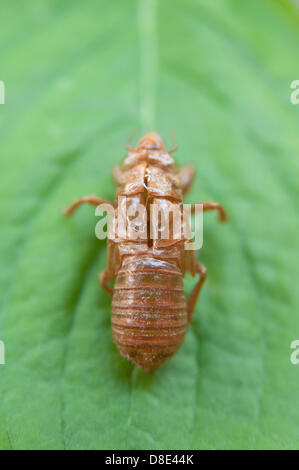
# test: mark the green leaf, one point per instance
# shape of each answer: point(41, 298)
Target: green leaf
point(79, 77)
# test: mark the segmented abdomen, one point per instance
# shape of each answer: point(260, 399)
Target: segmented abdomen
point(149, 318)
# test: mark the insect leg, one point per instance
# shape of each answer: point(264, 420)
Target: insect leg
point(128, 147)
point(202, 271)
point(103, 279)
point(186, 177)
point(117, 175)
point(93, 200)
point(210, 206)
point(113, 264)
point(175, 145)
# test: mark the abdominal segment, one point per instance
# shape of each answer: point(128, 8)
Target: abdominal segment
point(149, 318)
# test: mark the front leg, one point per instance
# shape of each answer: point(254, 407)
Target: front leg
point(186, 176)
point(117, 175)
point(93, 200)
point(211, 206)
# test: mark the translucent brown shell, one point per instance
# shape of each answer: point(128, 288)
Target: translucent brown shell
point(150, 313)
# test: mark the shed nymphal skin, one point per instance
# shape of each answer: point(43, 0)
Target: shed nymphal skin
point(150, 313)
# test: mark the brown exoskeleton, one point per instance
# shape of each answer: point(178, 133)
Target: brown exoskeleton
point(150, 313)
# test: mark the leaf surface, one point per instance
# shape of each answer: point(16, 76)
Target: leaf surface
point(79, 77)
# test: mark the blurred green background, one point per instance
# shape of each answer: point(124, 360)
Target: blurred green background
point(79, 77)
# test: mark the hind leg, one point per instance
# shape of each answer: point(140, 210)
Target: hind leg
point(113, 265)
point(103, 279)
point(202, 271)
